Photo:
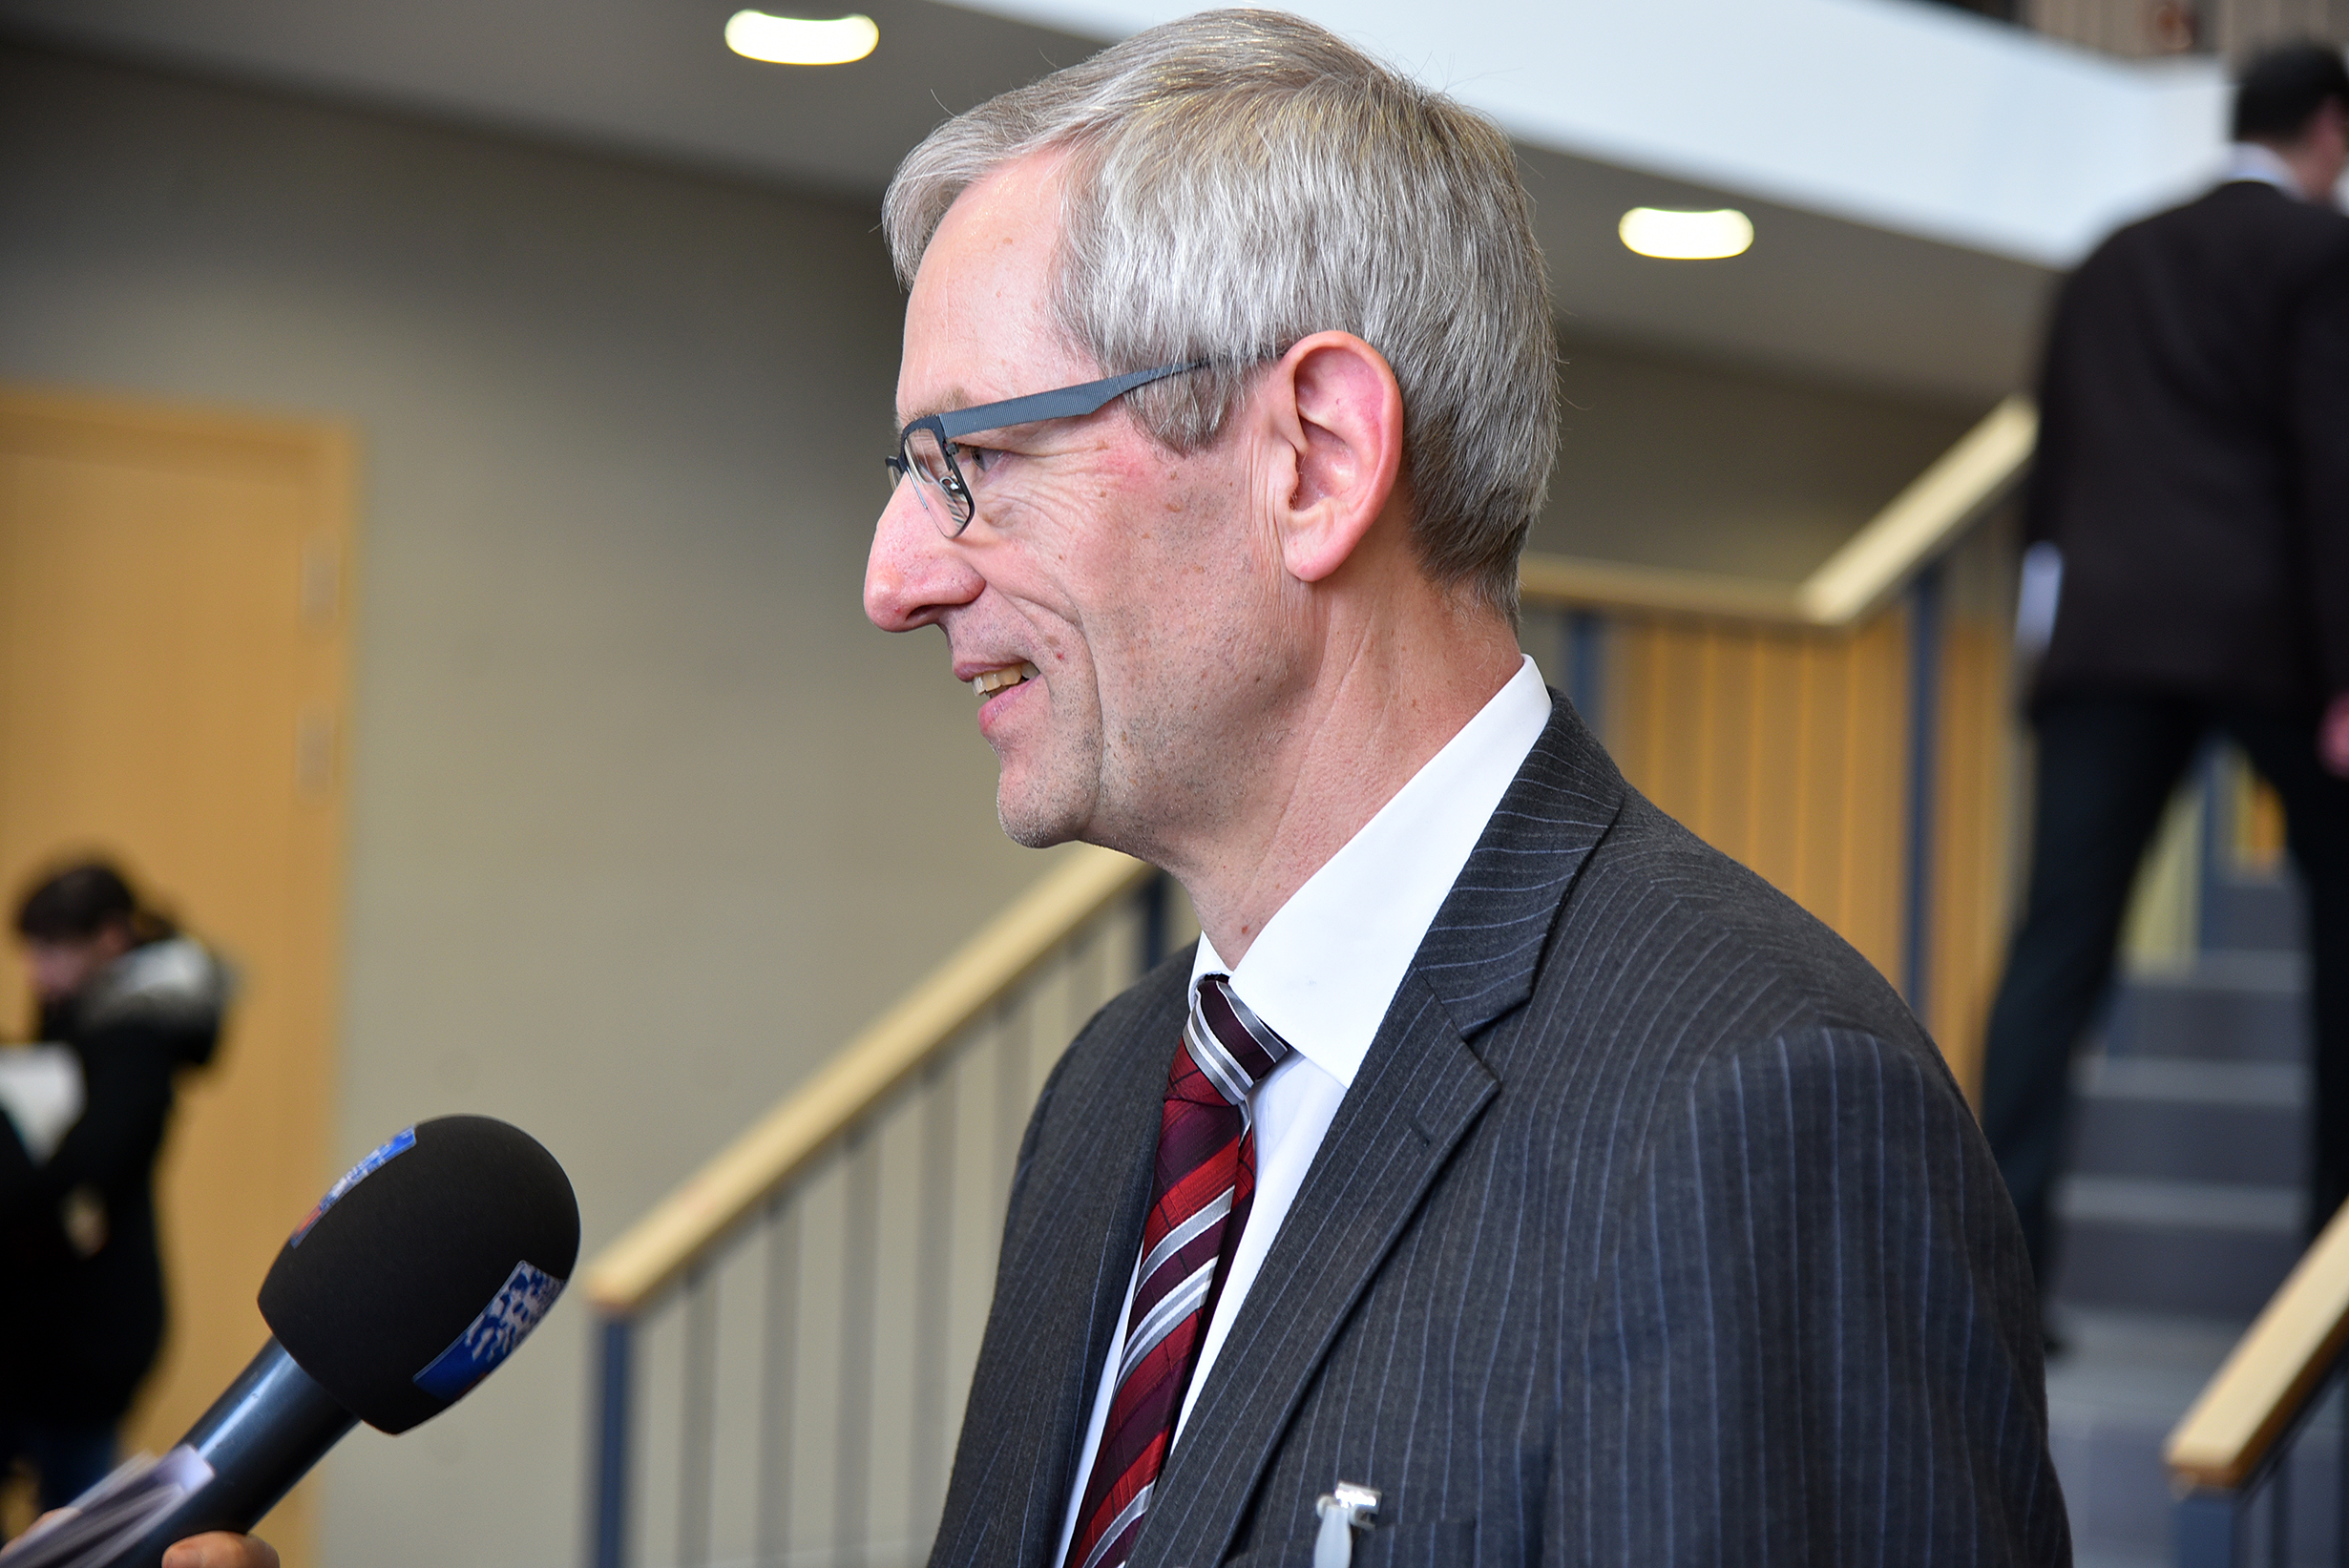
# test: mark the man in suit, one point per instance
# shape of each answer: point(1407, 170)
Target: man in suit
point(1500, 1149)
point(1579, 1195)
point(2193, 477)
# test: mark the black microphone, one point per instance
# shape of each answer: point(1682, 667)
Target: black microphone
point(414, 1277)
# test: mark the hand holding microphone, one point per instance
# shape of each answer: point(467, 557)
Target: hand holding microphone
point(415, 1277)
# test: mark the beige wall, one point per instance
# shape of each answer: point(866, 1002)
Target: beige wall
point(645, 817)
point(1672, 461)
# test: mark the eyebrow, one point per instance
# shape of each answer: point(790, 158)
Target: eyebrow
point(956, 397)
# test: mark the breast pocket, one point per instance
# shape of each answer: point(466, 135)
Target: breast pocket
point(1446, 1543)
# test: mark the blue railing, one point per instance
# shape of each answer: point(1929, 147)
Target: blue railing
point(2261, 1462)
point(2291, 1510)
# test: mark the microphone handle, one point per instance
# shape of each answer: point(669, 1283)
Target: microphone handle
point(260, 1438)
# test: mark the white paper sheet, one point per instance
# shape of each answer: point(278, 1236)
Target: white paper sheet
point(41, 1092)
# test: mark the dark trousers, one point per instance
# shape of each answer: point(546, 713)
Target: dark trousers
point(2107, 767)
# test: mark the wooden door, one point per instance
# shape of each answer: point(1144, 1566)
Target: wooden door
point(172, 620)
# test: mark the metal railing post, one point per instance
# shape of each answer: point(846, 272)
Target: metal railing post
point(2210, 1528)
point(859, 1293)
point(1925, 757)
point(2340, 1487)
point(608, 1494)
point(2340, 1494)
point(2279, 1511)
point(698, 1451)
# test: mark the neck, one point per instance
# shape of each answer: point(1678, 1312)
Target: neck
point(2315, 161)
point(1382, 695)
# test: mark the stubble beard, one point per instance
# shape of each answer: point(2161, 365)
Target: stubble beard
point(1081, 788)
point(1050, 799)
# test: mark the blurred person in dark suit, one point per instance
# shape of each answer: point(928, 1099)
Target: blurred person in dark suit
point(2191, 496)
point(125, 1001)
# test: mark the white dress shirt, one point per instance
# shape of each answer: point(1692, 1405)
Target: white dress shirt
point(1322, 974)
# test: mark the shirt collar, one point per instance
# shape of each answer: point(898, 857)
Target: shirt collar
point(1326, 965)
point(2250, 160)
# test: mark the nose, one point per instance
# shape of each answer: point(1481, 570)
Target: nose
point(914, 573)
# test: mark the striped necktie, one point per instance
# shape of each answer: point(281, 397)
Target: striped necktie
point(1207, 1175)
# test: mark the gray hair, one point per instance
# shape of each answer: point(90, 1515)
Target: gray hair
point(1240, 179)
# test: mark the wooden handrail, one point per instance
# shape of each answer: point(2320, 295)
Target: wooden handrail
point(2271, 1371)
point(1572, 581)
point(684, 1225)
point(1858, 579)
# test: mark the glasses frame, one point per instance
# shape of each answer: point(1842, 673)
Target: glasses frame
point(1060, 403)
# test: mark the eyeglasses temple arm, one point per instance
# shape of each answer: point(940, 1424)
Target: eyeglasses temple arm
point(1063, 402)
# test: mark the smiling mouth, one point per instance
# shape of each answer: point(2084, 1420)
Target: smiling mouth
point(990, 682)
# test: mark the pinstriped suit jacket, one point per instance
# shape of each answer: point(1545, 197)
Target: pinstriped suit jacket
point(1653, 1231)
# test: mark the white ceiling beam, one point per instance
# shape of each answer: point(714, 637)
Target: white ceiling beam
point(1917, 119)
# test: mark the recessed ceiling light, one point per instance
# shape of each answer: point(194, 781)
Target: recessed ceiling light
point(799, 40)
point(1686, 236)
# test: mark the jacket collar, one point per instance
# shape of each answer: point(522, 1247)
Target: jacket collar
point(1485, 946)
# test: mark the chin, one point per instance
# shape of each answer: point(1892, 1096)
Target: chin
point(1037, 823)
point(1031, 836)
point(1048, 799)
point(1034, 831)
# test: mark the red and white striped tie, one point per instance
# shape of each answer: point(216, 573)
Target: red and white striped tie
point(1206, 1175)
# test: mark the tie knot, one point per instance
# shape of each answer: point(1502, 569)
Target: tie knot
point(1232, 1046)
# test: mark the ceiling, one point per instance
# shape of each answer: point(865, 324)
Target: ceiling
point(1817, 295)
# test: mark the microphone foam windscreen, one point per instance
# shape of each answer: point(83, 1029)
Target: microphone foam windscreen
point(421, 1269)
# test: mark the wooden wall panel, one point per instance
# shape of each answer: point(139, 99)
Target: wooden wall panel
point(173, 624)
point(1974, 792)
point(1783, 749)
point(1789, 750)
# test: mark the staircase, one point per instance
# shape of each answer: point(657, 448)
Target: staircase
point(2182, 1212)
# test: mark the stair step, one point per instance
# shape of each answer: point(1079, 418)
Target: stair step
point(2227, 1007)
point(2207, 1248)
point(2178, 1119)
point(2191, 1205)
point(2181, 1217)
point(2255, 913)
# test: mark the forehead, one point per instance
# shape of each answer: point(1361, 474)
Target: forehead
point(978, 322)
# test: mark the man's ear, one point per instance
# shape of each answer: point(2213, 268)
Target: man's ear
point(1337, 411)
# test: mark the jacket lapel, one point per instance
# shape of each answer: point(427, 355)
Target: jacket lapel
point(1418, 1095)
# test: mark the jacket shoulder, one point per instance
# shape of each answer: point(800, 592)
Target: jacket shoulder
point(1694, 946)
point(2242, 220)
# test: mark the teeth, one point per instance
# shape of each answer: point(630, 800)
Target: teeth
point(994, 680)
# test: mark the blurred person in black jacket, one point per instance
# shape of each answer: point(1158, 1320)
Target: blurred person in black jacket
point(2192, 485)
point(125, 1002)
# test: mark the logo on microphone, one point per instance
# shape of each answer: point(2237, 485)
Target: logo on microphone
point(491, 1338)
point(400, 1143)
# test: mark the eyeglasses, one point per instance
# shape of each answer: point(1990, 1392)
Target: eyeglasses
point(926, 448)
